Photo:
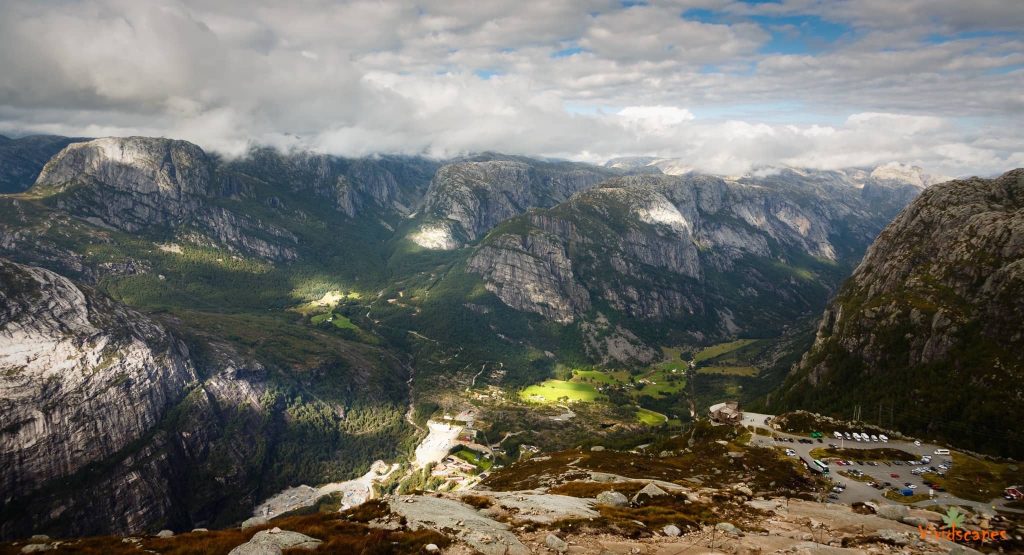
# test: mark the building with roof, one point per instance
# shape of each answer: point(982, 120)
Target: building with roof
point(726, 413)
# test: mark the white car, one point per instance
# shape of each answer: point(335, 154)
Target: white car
point(837, 435)
point(883, 438)
point(917, 442)
point(848, 435)
point(912, 486)
point(874, 437)
point(856, 436)
point(942, 451)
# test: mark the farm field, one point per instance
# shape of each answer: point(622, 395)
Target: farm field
point(340, 321)
point(720, 349)
point(553, 391)
point(650, 417)
point(748, 371)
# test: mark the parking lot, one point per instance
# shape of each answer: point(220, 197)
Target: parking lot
point(897, 473)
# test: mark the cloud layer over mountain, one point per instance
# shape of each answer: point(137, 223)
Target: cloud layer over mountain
point(723, 85)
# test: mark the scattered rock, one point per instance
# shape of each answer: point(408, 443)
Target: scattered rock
point(254, 522)
point(612, 499)
point(39, 538)
point(36, 548)
point(597, 448)
point(442, 514)
point(165, 534)
point(893, 537)
point(555, 543)
point(915, 521)
point(432, 548)
point(892, 512)
point(649, 491)
point(745, 491)
point(250, 548)
point(729, 528)
point(285, 539)
point(198, 530)
point(671, 531)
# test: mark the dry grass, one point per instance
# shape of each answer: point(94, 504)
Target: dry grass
point(341, 533)
point(478, 501)
point(707, 460)
point(589, 490)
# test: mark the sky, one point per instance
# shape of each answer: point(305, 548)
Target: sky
point(724, 86)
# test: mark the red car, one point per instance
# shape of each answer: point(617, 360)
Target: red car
point(894, 475)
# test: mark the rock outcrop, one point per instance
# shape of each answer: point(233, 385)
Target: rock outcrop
point(928, 327)
point(82, 378)
point(472, 197)
point(716, 257)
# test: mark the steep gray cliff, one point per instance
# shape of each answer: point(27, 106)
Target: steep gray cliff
point(928, 330)
point(713, 257)
point(81, 378)
point(154, 185)
point(467, 199)
point(110, 422)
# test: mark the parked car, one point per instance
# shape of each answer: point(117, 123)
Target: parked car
point(942, 451)
point(894, 475)
point(874, 437)
point(883, 438)
point(917, 442)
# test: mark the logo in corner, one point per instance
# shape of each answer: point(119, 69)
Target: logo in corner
point(953, 518)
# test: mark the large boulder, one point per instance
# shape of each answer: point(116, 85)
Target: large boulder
point(612, 499)
point(893, 512)
point(556, 543)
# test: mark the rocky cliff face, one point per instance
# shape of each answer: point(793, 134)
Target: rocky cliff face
point(467, 199)
point(141, 184)
point(109, 422)
point(927, 331)
point(388, 185)
point(81, 377)
point(715, 257)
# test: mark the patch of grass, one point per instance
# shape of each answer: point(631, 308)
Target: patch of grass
point(748, 371)
point(650, 417)
point(478, 501)
point(595, 376)
point(978, 480)
point(721, 349)
point(555, 391)
point(339, 321)
point(907, 499)
point(346, 532)
point(474, 458)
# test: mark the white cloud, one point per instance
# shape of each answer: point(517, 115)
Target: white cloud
point(585, 80)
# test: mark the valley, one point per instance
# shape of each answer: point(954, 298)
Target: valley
point(295, 336)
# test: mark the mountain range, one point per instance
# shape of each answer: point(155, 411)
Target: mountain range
point(228, 327)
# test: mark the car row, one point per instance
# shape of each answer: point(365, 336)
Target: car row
point(861, 436)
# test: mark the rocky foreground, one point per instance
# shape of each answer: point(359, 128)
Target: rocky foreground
point(707, 491)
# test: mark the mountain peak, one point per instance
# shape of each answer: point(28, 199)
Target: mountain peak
point(904, 173)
